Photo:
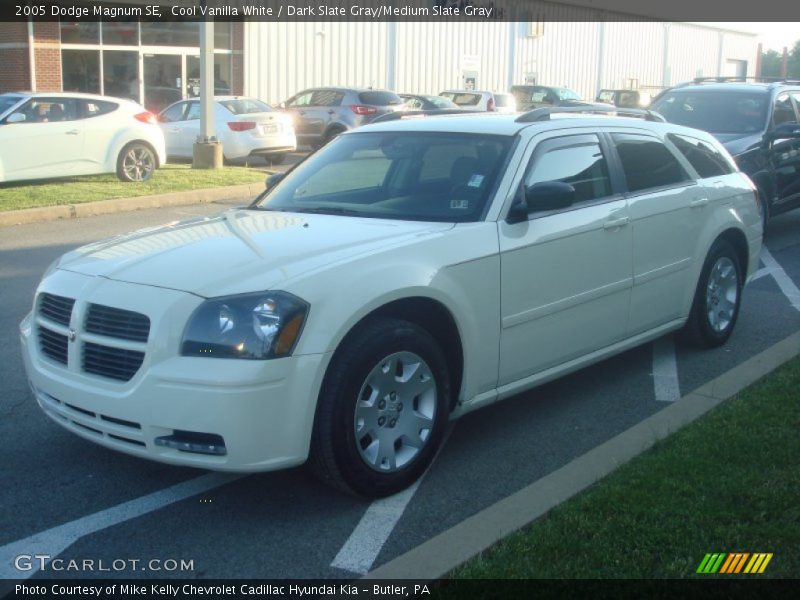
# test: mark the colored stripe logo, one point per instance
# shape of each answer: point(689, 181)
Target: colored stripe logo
point(733, 563)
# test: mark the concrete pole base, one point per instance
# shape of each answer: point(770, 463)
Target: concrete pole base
point(207, 155)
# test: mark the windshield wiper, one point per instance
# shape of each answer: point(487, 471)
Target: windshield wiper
point(325, 210)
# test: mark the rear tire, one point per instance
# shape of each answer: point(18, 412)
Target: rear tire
point(717, 298)
point(382, 409)
point(136, 162)
point(275, 159)
point(331, 134)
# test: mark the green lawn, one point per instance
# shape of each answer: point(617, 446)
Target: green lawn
point(730, 482)
point(90, 188)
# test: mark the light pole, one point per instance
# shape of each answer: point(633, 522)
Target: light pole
point(207, 152)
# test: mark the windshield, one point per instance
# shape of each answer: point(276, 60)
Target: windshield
point(715, 112)
point(417, 176)
point(246, 106)
point(7, 101)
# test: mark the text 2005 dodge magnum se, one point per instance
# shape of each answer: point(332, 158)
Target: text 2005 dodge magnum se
point(409, 272)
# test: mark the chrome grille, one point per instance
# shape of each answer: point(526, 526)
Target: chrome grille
point(114, 363)
point(117, 323)
point(56, 308)
point(53, 345)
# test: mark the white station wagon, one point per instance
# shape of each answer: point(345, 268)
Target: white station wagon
point(408, 272)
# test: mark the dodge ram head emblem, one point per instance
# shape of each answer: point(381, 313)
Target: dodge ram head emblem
point(72, 335)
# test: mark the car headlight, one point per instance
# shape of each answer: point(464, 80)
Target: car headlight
point(250, 326)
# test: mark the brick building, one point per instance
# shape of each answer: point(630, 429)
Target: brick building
point(152, 63)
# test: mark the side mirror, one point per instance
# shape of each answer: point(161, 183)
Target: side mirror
point(16, 117)
point(783, 131)
point(549, 195)
point(273, 180)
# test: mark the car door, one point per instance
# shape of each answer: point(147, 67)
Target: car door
point(784, 154)
point(189, 129)
point(171, 121)
point(299, 106)
point(101, 124)
point(565, 274)
point(47, 142)
point(322, 111)
point(666, 208)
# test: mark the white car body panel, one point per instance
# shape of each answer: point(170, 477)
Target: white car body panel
point(273, 134)
point(85, 146)
point(530, 300)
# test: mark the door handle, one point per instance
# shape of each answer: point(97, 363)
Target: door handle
point(72, 132)
point(698, 202)
point(331, 112)
point(616, 223)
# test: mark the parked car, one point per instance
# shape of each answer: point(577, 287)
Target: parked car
point(426, 102)
point(756, 122)
point(46, 135)
point(320, 114)
point(624, 98)
point(391, 281)
point(246, 127)
point(529, 97)
point(482, 100)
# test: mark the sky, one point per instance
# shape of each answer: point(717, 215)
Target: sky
point(774, 36)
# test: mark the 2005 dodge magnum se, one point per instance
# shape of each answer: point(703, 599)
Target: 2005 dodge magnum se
point(410, 271)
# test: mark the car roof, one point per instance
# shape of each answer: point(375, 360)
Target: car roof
point(739, 87)
point(69, 95)
point(504, 124)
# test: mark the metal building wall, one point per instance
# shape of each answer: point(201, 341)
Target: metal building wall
point(284, 58)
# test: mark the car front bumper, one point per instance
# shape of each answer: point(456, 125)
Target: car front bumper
point(262, 410)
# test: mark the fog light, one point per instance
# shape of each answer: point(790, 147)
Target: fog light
point(194, 442)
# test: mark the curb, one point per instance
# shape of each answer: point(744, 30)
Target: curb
point(439, 555)
point(103, 207)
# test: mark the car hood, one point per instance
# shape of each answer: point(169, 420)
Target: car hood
point(240, 250)
point(736, 143)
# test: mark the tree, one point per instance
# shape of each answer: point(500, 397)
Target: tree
point(771, 61)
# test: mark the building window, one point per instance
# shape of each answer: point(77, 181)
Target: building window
point(121, 74)
point(170, 34)
point(80, 71)
point(121, 33)
point(83, 32)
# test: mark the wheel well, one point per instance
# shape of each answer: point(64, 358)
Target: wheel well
point(434, 318)
point(736, 239)
point(334, 128)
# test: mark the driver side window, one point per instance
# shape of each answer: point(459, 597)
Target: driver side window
point(301, 100)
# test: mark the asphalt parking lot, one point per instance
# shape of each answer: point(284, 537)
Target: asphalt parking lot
point(63, 496)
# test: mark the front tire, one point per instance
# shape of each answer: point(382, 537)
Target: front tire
point(382, 409)
point(136, 162)
point(717, 298)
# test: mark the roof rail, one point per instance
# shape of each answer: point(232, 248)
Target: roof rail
point(544, 114)
point(743, 79)
point(403, 114)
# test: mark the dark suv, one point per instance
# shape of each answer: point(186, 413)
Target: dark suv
point(320, 114)
point(757, 122)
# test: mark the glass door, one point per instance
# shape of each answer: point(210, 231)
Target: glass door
point(163, 80)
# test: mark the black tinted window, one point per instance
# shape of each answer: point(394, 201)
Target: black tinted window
point(706, 160)
point(7, 101)
point(95, 108)
point(379, 98)
point(576, 160)
point(647, 162)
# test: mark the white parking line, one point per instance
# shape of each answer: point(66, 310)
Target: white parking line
point(359, 552)
point(784, 282)
point(665, 370)
point(53, 542)
point(762, 272)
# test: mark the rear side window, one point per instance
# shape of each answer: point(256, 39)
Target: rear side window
point(465, 99)
point(245, 106)
point(193, 112)
point(577, 160)
point(327, 98)
point(379, 98)
point(647, 162)
point(706, 160)
point(95, 108)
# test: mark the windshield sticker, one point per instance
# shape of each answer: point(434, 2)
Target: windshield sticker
point(475, 181)
point(459, 204)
